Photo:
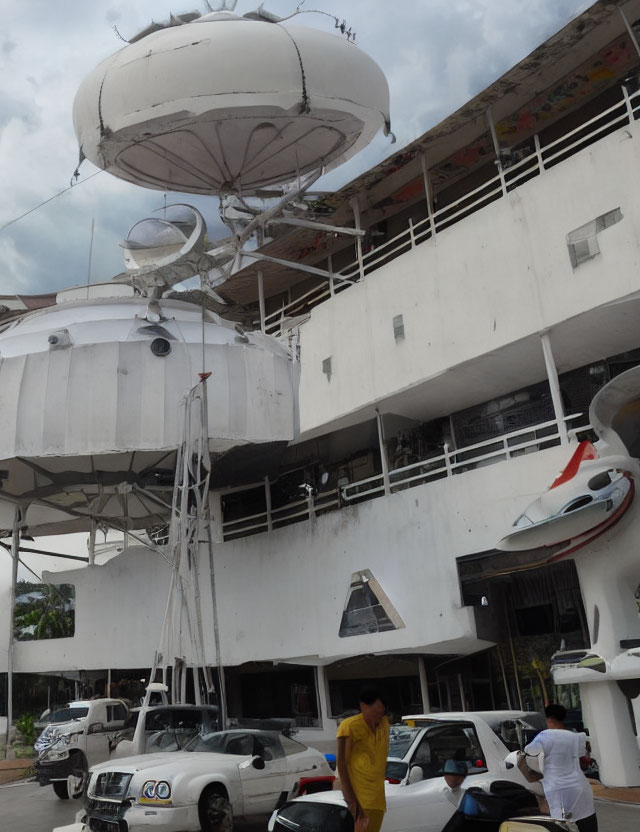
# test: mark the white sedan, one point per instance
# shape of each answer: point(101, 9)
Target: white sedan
point(217, 777)
point(418, 800)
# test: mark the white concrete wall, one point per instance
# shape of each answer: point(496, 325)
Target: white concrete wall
point(119, 612)
point(492, 279)
point(281, 594)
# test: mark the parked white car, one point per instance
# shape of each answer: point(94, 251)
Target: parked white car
point(219, 776)
point(514, 728)
point(417, 800)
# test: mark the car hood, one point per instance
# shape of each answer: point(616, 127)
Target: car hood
point(174, 760)
point(334, 796)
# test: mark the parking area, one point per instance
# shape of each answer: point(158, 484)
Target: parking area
point(26, 807)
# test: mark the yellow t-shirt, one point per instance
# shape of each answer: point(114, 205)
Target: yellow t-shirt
point(367, 761)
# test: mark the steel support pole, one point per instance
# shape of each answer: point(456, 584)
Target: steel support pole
point(92, 543)
point(332, 290)
point(263, 324)
point(222, 696)
point(496, 147)
point(383, 454)
point(428, 192)
point(15, 554)
point(355, 207)
point(554, 386)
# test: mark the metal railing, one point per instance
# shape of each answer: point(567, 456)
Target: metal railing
point(509, 177)
point(466, 458)
point(275, 518)
point(450, 462)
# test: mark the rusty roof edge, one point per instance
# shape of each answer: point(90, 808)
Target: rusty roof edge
point(463, 118)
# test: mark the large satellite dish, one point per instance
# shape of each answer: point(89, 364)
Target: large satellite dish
point(228, 104)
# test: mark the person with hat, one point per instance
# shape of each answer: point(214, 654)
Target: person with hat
point(566, 789)
point(455, 772)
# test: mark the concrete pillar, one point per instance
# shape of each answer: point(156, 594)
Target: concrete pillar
point(424, 686)
point(383, 453)
point(324, 704)
point(612, 738)
point(554, 386)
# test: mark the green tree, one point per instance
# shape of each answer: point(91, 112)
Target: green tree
point(44, 611)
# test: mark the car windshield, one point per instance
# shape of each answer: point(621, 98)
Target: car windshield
point(222, 742)
point(67, 714)
point(400, 739)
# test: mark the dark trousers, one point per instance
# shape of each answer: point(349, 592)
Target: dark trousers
point(589, 824)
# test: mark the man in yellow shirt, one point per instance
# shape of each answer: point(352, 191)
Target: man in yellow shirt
point(363, 746)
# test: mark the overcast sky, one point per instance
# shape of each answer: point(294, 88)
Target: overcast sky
point(436, 55)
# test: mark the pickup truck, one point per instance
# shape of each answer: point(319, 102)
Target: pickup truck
point(102, 729)
point(68, 747)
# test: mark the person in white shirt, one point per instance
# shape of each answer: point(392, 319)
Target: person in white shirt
point(566, 789)
point(455, 773)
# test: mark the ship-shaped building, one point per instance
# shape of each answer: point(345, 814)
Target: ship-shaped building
point(401, 396)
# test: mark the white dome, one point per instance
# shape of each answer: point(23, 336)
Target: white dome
point(92, 397)
point(229, 104)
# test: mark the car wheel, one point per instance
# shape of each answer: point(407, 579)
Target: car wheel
point(60, 789)
point(216, 814)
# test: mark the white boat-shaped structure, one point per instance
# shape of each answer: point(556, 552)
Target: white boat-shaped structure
point(586, 499)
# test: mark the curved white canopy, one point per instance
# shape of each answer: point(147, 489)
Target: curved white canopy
point(226, 104)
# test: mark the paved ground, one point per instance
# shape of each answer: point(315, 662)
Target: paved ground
point(28, 808)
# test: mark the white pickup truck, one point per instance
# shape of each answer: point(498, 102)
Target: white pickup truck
point(97, 730)
point(81, 736)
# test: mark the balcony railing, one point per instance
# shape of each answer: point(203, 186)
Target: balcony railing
point(275, 518)
point(507, 179)
point(450, 462)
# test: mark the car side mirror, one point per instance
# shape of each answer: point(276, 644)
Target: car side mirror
point(258, 763)
point(415, 775)
point(96, 728)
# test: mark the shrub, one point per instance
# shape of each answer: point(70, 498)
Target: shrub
point(26, 727)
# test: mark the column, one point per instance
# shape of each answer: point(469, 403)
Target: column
point(355, 207)
point(612, 738)
point(554, 386)
point(424, 686)
point(383, 454)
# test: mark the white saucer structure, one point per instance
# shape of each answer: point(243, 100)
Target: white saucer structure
point(90, 413)
point(229, 104)
point(590, 514)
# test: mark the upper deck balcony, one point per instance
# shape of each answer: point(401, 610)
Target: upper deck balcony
point(457, 318)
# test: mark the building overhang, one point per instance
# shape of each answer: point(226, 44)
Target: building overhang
point(585, 338)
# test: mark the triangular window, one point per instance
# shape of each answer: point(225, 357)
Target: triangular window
point(367, 608)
